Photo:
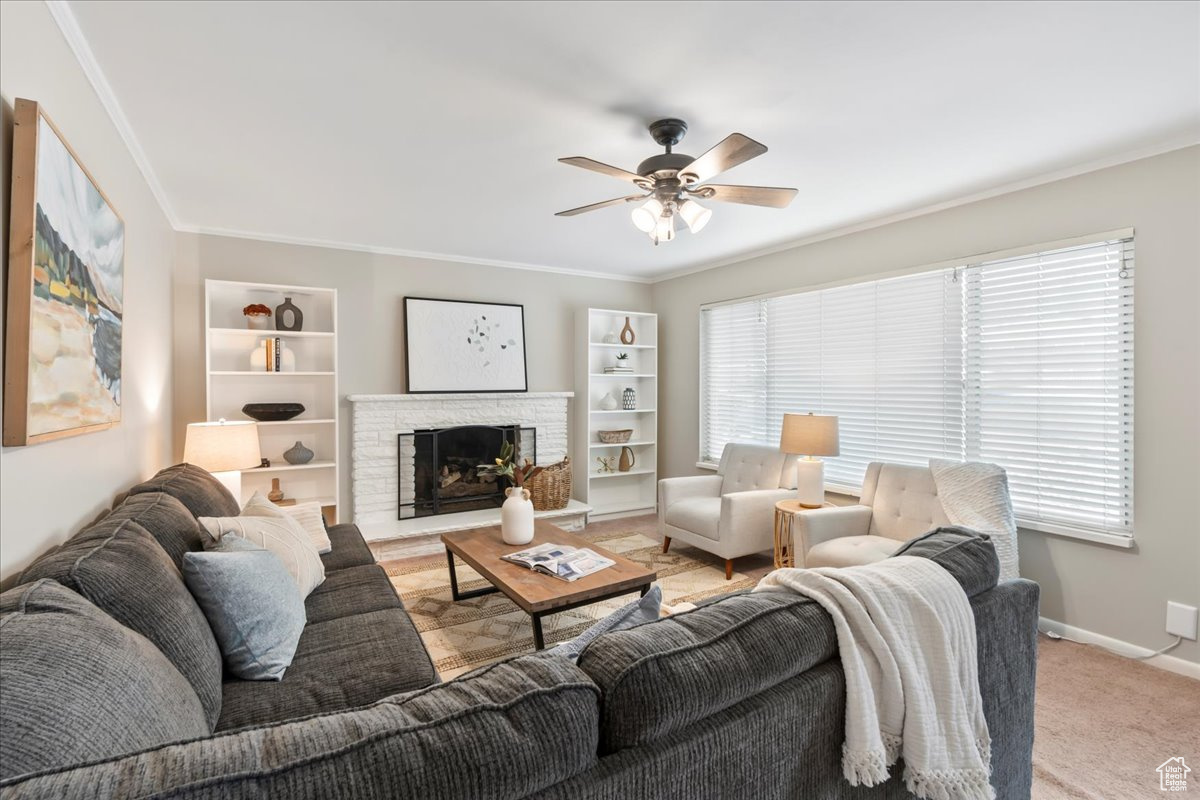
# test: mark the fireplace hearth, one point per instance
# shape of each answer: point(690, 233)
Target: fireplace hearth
point(446, 467)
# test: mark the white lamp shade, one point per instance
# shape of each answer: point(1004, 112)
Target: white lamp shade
point(809, 435)
point(645, 217)
point(664, 231)
point(222, 446)
point(695, 215)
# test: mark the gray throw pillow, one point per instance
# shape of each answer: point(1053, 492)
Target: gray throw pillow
point(252, 603)
point(644, 609)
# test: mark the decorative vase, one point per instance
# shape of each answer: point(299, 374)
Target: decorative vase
point(629, 399)
point(288, 317)
point(258, 322)
point(609, 403)
point(628, 459)
point(627, 336)
point(611, 338)
point(258, 362)
point(298, 454)
point(516, 516)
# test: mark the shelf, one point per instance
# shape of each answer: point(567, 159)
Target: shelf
point(298, 422)
point(263, 374)
point(280, 334)
point(647, 471)
point(622, 375)
point(614, 313)
point(286, 467)
point(622, 444)
point(324, 501)
point(620, 346)
point(623, 411)
point(617, 508)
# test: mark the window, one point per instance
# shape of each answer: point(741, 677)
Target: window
point(1024, 361)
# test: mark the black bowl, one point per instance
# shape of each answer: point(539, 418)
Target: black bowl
point(272, 412)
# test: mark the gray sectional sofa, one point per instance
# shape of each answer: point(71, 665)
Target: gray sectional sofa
point(111, 686)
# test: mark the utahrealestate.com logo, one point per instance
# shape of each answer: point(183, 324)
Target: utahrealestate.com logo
point(1173, 775)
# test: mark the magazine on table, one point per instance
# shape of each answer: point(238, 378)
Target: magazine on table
point(560, 561)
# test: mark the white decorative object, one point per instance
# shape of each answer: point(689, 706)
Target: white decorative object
point(516, 516)
point(461, 346)
point(282, 535)
point(975, 495)
point(258, 358)
point(809, 435)
point(611, 338)
point(609, 402)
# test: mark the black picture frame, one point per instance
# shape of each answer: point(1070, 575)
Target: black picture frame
point(417, 350)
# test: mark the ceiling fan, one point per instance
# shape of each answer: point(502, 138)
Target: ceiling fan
point(671, 182)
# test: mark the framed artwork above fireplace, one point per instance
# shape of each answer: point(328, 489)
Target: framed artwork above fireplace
point(464, 346)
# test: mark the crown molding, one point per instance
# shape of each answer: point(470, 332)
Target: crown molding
point(1179, 142)
point(398, 251)
point(64, 17)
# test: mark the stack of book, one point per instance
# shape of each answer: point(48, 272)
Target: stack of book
point(271, 351)
point(620, 370)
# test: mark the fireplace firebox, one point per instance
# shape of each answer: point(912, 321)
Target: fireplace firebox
point(445, 475)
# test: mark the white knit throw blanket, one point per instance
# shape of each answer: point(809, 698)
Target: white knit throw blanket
point(974, 494)
point(906, 636)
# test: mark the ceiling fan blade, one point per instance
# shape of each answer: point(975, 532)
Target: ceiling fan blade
point(770, 196)
point(615, 201)
point(604, 169)
point(734, 149)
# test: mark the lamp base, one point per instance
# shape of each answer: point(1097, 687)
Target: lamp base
point(231, 480)
point(810, 482)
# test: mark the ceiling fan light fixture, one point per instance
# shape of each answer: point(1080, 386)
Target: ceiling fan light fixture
point(695, 215)
point(645, 217)
point(664, 230)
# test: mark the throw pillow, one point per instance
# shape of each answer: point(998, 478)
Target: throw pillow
point(281, 535)
point(307, 515)
point(644, 609)
point(252, 603)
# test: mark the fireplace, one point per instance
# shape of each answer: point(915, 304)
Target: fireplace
point(446, 474)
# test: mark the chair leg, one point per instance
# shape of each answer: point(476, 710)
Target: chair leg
point(666, 543)
point(729, 569)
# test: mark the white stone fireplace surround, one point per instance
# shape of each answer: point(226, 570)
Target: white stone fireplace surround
point(377, 420)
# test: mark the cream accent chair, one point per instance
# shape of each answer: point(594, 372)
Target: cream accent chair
point(898, 503)
point(732, 513)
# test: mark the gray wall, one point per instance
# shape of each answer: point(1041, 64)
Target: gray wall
point(371, 289)
point(1116, 592)
point(52, 489)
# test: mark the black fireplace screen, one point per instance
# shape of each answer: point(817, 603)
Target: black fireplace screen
point(439, 468)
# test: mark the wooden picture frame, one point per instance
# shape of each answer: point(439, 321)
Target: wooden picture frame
point(63, 343)
point(454, 347)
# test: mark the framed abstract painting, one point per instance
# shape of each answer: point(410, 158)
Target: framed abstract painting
point(63, 334)
point(464, 346)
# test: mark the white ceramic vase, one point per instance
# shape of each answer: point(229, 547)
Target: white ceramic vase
point(516, 516)
point(609, 403)
point(287, 358)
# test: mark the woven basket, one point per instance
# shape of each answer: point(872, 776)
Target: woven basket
point(551, 488)
point(614, 437)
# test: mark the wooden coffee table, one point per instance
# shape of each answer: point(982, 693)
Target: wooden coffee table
point(536, 593)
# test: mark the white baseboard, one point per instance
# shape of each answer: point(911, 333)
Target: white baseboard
point(1168, 662)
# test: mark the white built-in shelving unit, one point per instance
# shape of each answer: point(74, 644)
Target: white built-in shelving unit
point(233, 379)
point(616, 492)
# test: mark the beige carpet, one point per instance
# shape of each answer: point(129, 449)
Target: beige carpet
point(1104, 723)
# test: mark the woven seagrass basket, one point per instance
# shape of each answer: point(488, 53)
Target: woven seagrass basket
point(551, 488)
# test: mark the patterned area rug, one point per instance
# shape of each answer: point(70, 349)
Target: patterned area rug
point(464, 635)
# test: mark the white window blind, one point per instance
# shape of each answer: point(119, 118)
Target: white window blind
point(1026, 362)
point(1049, 379)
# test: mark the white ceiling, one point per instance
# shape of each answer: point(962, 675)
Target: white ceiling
point(435, 127)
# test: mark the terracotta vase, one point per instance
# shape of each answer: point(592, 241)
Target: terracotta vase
point(628, 459)
point(627, 336)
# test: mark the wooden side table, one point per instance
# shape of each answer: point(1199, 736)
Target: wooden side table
point(785, 519)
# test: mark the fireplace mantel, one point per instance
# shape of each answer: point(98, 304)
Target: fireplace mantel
point(376, 471)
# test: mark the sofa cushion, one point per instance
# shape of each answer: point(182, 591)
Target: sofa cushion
point(662, 676)
point(349, 548)
point(118, 565)
point(339, 664)
point(350, 591)
point(204, 495)
point(849, 551)
point(282, 535)
point(251, 602)
point(506, 731)
point(700, 515)
point(166, 519)
point(967, 555)
point(79, 686)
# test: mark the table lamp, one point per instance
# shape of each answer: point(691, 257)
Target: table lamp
point(224, 449)
point(809, 435)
